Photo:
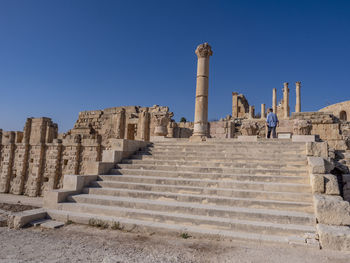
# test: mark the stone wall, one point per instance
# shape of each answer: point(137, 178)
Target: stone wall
point(35, 160)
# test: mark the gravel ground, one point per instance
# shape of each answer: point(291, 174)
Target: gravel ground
point(79, 243)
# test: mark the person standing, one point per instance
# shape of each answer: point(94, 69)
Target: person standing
point(272, 123)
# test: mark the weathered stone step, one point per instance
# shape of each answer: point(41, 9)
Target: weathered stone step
point(223, 151)
point(215, 176)
point(233, 184)
point(270, 171)
point(242, 213)
point(147, 226)
point(232, 164)
point(267, 195)
point(220, 200)
point(220, 155)
point(194, 220)
point(231, 146)
point(214, 158)
point(232, 142)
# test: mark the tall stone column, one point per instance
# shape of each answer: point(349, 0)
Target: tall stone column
point(297, 96)
point(274, 101)
point(285, 100)
point(203, 53)
point(263, 115)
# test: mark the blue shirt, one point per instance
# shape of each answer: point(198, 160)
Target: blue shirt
point(271, 119)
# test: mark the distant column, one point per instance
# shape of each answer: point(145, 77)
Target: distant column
point(274, 100)
point(263, 111)
point(285, 100)
point(251, 112)
point(234, 105)
point(297, 96)
point(203, 53)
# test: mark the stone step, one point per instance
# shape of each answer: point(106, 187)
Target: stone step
point(147, 227)
point(156, 168)
point(230, 146)
point(233, 142)
point(267, 195)
point(220, 155)
point(214, 158)
point(211, 222)
point(224, 151)
point(233, 184)
point(215, 176)
point(264, 148)
point(231, 164)
point(241, 213)
point(219, 200)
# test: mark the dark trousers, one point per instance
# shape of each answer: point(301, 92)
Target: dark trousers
point(273, 130)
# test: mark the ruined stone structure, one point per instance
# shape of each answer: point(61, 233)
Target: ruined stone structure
point(36, 159)
point(340, 110)
point(294, 189)
point(240, 106)
point(131, 122)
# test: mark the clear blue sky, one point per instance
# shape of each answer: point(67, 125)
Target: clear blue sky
point(60, 57)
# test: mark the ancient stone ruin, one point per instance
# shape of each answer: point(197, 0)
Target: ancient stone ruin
point(138, 166)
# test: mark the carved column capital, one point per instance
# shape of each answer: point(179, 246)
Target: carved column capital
point(204, 51)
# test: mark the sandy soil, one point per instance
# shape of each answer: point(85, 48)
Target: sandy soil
point(78, 243)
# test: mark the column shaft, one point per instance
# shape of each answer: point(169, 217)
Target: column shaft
point(297, 97)
point(274, 101)
point(203, 52)
point(285, 100)
point(263, 111)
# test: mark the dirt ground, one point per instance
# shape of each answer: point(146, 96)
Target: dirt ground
point(15, 207)
point(79, 243)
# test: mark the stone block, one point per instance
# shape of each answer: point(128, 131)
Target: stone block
point(53, 197)
point(104, 167)
point(304, 138)
point(334, 237)
point(317, 183)
point(51, 224)
point(284, 136)
point(111, 156)
point(316, 165)
point(18, 220)
point(317, 149)
point(332, 210)
point(243, 138)
point(331, 184)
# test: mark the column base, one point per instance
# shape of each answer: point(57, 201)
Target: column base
point(198, 138)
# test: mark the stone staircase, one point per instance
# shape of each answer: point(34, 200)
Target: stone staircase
point(236, 190)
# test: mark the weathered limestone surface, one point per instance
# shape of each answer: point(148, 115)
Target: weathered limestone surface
point(324, 183)
point(334, 237)
point(302, 127)
point(332, 210)
point(317, 149)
